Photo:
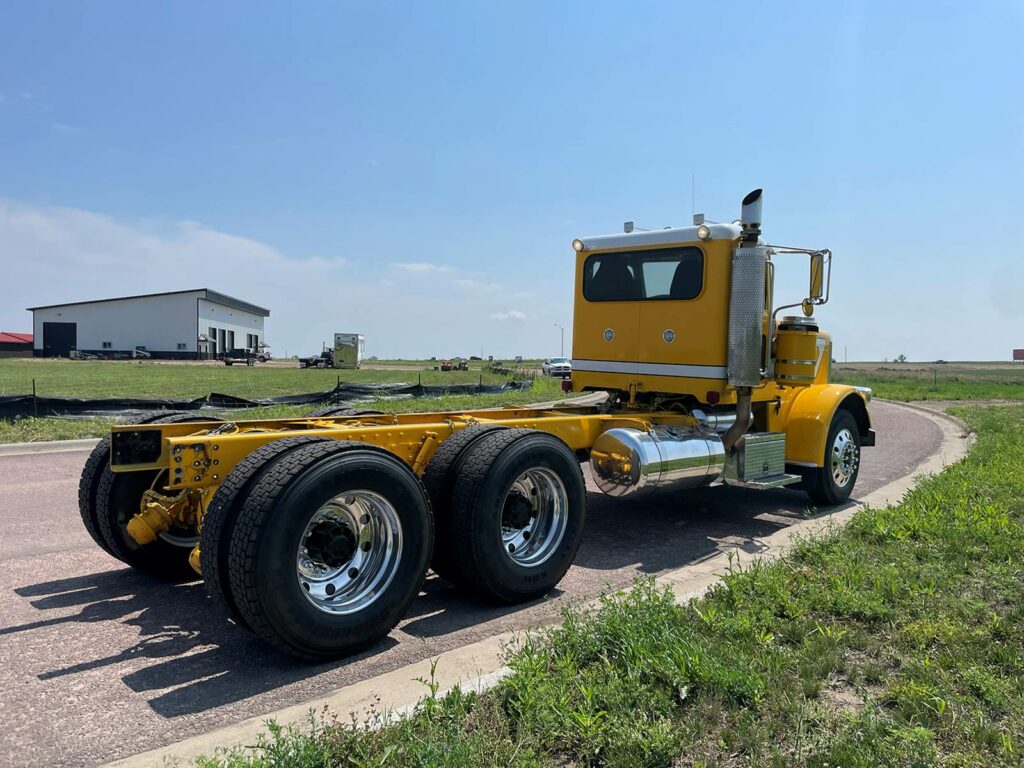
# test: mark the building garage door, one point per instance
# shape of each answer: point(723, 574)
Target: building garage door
point(59, 339)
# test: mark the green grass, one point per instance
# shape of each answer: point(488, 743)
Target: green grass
point(127, 378)
point(898, 640)
point(940, 382)
point(33, 430)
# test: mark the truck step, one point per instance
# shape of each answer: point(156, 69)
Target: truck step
point(769, 481)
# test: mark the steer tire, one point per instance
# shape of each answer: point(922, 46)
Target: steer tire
point(341, 410)
point(98, 460)
point(116, 501)
point(826, 491)
point(219, 520)
point(480, 502)
point(269, 534)
point(439, 479)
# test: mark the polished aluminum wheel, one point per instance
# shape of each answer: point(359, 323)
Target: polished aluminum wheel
point(349, 552)
point(844, 458)
point(534, 516)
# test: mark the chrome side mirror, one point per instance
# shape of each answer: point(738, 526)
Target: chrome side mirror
point(817, 277)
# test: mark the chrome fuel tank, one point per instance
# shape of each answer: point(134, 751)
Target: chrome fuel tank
point(626, 462)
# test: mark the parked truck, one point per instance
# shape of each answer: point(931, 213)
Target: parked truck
point(316, 533)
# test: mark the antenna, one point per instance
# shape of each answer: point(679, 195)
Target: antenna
point(693, 193)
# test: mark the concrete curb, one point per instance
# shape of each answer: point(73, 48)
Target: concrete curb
point(478, 666)
point(49, 446)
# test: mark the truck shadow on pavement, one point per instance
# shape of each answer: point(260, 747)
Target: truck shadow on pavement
point(188, 659)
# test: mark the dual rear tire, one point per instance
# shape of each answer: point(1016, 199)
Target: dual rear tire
point(510, 508)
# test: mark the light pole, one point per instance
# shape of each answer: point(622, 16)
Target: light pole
point(563, 338)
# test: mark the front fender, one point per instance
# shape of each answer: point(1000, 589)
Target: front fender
point(811, 415)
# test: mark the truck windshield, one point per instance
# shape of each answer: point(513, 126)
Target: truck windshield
point(665, 274)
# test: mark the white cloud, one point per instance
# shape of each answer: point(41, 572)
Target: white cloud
point(419, 267)
point(52, 255)
point(512, 314)
point(478, 286)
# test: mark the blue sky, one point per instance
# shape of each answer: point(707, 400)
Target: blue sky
point(416, 171)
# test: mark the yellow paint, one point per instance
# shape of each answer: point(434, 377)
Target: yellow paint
point(796, 356)
point(629, 332)
point(806, 418)
point(160, 513)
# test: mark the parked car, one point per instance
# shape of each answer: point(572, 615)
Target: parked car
point(263, 354)
point(557, 366)
point(141, 353)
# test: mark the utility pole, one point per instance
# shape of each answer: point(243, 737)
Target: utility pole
point(562, 353)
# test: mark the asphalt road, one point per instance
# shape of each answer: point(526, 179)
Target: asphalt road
point(98, 662)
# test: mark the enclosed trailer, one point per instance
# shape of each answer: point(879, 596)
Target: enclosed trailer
point(348, 350)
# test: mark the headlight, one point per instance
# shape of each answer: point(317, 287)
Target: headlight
point(704, 232)
point(577, 245)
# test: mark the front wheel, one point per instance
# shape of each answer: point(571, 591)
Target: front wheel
point(833, 482)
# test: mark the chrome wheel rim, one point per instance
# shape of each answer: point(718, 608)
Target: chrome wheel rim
point(349, 552)
point(534, 517)
point(844, 458)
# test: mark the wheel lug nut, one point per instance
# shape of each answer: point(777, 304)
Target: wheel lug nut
point(366, 546)
point(353, 572)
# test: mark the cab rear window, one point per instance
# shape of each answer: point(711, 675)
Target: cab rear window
point(665, 274)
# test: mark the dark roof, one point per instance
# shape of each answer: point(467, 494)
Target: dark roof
point(10, 337)
point(214, 296)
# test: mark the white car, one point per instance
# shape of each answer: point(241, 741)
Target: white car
point(557, 366)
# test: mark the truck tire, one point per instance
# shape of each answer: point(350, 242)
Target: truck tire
point(117, 501)
point(518, 511)
point(89, 481)
point(439, 479)
point(329, 548)
point(833, 483)
point(219, 520)
point(341, 410)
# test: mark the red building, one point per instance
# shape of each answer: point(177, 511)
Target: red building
point(15, 344)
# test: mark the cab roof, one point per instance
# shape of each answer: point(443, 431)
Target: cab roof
point(667, 236)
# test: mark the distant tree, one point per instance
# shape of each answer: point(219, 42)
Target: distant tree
point(901, 359)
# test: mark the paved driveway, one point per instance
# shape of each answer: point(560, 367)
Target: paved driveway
point(98, 662)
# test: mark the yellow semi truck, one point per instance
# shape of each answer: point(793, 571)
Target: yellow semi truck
point(316, 533)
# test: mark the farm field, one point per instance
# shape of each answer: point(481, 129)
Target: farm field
point(944, 381)
point(149, 379)
point(133, 378)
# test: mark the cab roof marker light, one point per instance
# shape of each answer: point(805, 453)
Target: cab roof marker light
point(704, 232)
point(577, 245)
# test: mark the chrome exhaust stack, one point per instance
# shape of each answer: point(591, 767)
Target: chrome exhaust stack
point(746, 317)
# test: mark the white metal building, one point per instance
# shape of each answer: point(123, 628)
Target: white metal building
point(180, 324)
